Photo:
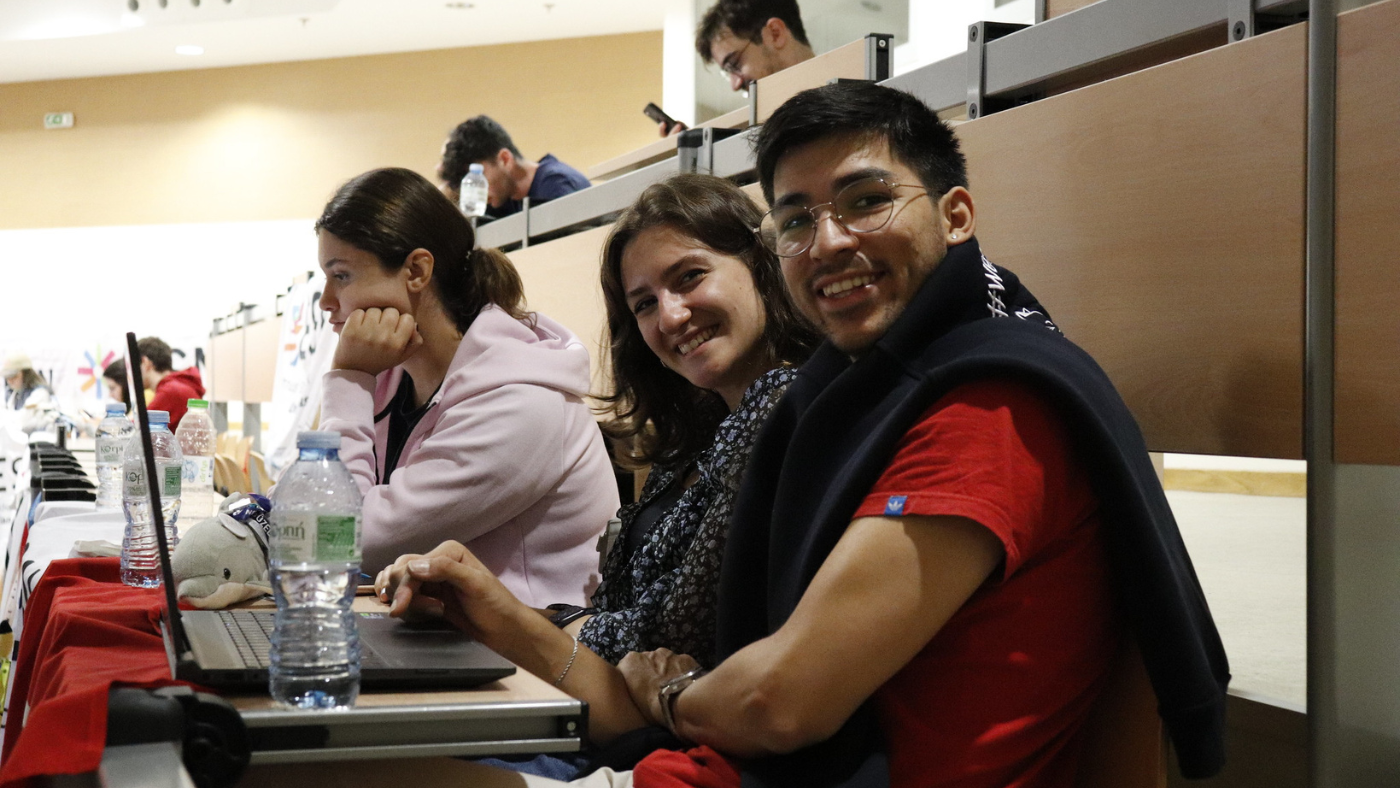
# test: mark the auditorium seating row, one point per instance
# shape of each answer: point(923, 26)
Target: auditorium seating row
point(1144, 167)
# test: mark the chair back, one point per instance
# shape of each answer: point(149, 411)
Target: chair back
point(257, 473)
point(233, 477)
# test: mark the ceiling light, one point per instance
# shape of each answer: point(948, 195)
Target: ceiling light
point(189, 49)
point(459, 6)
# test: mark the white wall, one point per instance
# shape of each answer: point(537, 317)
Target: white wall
point(69, 295)
point(680, 65)
point(938, 28)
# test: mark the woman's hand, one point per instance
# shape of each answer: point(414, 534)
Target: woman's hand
point(373, 340)
point(646, 671)
point(451, 583)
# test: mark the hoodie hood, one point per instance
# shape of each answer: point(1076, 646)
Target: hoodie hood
point(187, 378)
point(499, 350)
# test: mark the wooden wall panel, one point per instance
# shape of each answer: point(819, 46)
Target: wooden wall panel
point(1054, 8)
point(1159, 216)
point(225, 381)
point(561, 281)
point(273, 141)
point(230, 369)
point(1368, 236)
point(845, 61)
point(261, 367)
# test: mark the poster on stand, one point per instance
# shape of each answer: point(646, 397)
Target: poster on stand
point(304, 352)
point(73, 373)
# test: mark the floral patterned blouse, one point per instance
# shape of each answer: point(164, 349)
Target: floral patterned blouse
point(663, 594)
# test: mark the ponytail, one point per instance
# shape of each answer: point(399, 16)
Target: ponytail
point(497, 282)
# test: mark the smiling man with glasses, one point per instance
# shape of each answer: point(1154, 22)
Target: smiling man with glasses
point(750, 39)
point(950, 534)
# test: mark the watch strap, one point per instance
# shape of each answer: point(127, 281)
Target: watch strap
point(670, 690)
point(565, 615)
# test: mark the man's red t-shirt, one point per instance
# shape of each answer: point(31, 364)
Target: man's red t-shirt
point(996, 699)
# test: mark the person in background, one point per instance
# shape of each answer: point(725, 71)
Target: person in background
point(28, 394)
point(750, 39)
point(463, 414)
point(114, 378)
point(510, 177)
point(173, 389)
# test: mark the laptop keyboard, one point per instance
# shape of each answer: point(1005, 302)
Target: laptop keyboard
point(251, 632)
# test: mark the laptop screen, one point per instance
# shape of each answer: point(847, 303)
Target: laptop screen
point(171, 613)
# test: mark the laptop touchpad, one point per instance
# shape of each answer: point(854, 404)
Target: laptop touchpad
point(423, 646)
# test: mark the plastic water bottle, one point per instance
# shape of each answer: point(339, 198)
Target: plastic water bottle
point(113, 433)
point(315, 563)
point(140, 553)
point(196, 436)
point(471, 198)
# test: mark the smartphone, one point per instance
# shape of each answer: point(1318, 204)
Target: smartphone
point(659, 115)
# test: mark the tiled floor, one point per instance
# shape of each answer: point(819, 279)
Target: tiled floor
point(1250, 555)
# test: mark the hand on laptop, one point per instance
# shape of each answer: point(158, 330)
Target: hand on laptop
point(373, 340)
point(451, 583)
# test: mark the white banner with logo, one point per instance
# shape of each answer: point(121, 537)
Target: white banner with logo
point(304, 352)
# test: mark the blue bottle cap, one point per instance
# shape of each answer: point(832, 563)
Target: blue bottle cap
point(158, 417)
point(116, 409)
point(318, 439)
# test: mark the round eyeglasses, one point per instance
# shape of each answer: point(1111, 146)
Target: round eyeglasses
point(735, 61)
point(861, 207)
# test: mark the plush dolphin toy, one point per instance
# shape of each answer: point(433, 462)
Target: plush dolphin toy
point(223, 560)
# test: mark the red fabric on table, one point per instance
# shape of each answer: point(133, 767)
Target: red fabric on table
point(700, 767)
point(84, 631)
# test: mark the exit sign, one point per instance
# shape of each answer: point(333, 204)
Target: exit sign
point(58, 120)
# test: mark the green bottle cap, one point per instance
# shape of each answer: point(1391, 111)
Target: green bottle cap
point(198, 403)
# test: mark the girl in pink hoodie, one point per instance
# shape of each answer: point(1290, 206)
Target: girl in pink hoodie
point(463, 415)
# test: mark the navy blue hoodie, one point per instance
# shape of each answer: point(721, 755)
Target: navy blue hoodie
point(836, 430)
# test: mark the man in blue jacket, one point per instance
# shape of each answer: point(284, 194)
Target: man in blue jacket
point(510, 177)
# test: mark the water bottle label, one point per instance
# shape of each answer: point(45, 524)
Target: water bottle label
point(199, 473)
point(304, 536)
point(134, 484)
point(109, 451)
point(171, 488)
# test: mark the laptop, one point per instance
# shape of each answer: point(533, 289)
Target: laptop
point(228, 649)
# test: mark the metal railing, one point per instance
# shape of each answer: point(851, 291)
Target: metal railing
point(1003, 65)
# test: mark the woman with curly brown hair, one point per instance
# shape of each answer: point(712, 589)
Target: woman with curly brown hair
point(703, 343)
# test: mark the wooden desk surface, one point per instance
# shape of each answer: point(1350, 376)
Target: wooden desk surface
point(517, 688)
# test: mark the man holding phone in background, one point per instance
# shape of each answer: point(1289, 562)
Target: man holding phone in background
point(748, 40)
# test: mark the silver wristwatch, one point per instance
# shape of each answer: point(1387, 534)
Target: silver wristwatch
point(670, 690)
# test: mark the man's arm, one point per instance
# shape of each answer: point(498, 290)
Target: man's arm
point(884, 591)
